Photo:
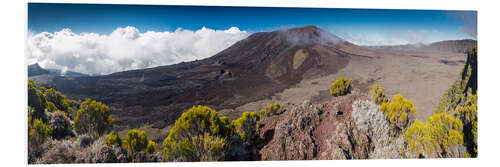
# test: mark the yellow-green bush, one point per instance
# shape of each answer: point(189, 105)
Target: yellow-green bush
point(377, 93)
point(399, 110)
point(416, 136)
point(340, 87)
point(204, 147)
point(113, 139)
point(246, 124)
point(59, 101)
point(36, 100)
point(93, 118)
point(436, 137)
point(151, 148)
point(468, 115)
point(198, 120)
point(39, 132)
point(271, 109)
point(135, 141)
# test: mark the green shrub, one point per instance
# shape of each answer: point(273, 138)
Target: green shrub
point(468, 116)
point(151, 147)
point(340, 87)
point(436, 137)
point(246, 125)
point(113, 139)
point(398, 111)
point(36, 100)
point(417, 138)
point(271, 109)
point(39, 132)
point(378, 95)
point(93, 118)
point(199, 148)
point(135, 141)
point(59, 102)
point(197, 121)
point(445, 131)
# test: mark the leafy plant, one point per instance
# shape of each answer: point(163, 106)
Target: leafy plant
point(113, 139)
point(198, 120)
point(441, 133)
point(135, 141)
point(340, 87)
point(377, 93)
point(204, 147)
point(93, 118)
point(39, 132)
point(151, 147)
point(468, 115)
point(269, 110)
point(398, 111)
point(246, 124)
point(36, 100)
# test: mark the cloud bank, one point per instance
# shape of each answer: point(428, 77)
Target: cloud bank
point(125, 48)
point(396, 37)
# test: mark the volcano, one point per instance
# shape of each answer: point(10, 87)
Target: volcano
point(285, 66)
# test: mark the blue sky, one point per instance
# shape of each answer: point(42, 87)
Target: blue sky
point(361, 26)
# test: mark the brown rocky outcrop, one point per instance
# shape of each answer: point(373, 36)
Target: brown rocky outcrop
point(315, 131)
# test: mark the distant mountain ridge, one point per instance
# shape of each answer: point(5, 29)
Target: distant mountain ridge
point(456, 46)
point(36, 70)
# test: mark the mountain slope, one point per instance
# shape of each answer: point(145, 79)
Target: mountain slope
point(35, 69)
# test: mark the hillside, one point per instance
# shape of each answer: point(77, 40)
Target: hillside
point(35, 69)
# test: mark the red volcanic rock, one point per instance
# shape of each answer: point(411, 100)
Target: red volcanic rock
point(314, 131)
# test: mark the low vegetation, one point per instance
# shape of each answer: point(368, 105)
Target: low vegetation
point(55, 132)
point(399, 111)
point(93, 118)
point(201, 135)
point(441, 136)
point(135, 141)
point(378, 96)
point(468, 115)
point(113, 139)
point(269, 110)
point(247, 123)
point(197, 121)
point(340, 87)
point(151, 147)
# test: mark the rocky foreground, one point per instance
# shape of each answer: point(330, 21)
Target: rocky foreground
point(346, 127)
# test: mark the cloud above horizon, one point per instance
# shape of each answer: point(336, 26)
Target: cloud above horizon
point(395, 37)
point(125, 48)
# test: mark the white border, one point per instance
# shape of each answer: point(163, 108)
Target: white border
point(13, 82)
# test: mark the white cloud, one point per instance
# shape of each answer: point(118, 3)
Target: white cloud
point(126, 48)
